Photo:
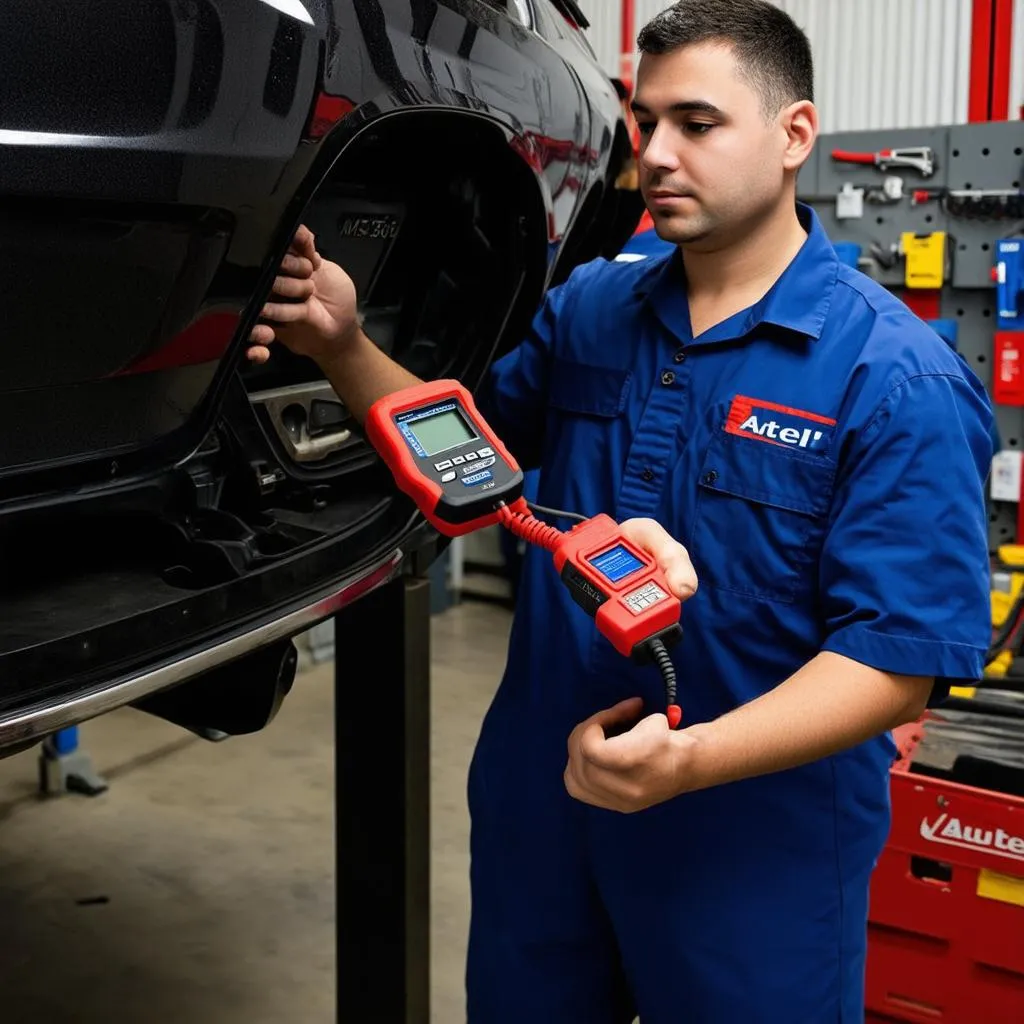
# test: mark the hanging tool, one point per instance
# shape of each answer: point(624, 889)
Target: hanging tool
point(921, 158)
point(444, 455)
point(850, 199)
point(890, 192)
point(974, 203)
point(886, 256)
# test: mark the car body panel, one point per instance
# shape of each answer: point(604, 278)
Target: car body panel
point(157, 492)
point(45, 713)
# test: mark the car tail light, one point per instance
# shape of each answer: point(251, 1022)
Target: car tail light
point(327, 112)
point(204, 341)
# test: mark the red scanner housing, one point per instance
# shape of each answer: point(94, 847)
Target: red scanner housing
point(617, 583)
point(444, 456)
point(455, 499)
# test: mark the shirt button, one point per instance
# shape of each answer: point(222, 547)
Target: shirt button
point(667, 377)
point(679, 357)
point(648, 474)
point(710, 476)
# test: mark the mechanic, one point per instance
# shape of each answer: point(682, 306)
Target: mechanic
point(748, 402)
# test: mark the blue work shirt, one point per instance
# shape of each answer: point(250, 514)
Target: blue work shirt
point(822, 457)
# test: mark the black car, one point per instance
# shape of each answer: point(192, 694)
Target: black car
point(169, 512)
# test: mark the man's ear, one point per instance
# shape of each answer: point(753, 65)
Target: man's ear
point(800, 123)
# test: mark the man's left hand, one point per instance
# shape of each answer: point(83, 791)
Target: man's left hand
point(672, 558)
point(632, 771)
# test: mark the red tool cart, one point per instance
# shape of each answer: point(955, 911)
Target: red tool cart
point(946, 925)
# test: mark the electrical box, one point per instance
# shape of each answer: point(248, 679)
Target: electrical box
point(1008, 378)
point(1009, 279)
point(849, 202)
point(1005, 479)
point(925, 259)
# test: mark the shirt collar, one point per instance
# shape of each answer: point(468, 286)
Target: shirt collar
point(798, 302)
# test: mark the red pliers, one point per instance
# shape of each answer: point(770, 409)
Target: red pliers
point(922, 158)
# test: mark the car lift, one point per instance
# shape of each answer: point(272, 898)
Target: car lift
point(382, 805)
point(382, 802)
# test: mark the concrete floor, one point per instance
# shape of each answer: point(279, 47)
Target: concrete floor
point(199, 889)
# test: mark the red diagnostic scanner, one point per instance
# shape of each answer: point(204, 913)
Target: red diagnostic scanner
point(449, 461)
point(619, 585)
point(443, 454)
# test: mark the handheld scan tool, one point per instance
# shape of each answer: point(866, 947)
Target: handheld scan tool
point(446, 458)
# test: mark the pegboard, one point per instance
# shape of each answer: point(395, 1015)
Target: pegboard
point(982, 156)
point(972, 309)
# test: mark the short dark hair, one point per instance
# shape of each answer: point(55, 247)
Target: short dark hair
point(773, 53)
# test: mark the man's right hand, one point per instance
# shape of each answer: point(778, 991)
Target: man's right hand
point(318, 314)
point(313, 313)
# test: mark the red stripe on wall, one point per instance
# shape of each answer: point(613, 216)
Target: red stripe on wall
point(981, 61)
point(1002, 60)
point(627, 43)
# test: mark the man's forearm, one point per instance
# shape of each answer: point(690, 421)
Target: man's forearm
point(829, 705)
point(361, 373)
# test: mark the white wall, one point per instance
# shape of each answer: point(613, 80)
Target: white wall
point(878, 63)
point(605, 30)
point(1017, 72)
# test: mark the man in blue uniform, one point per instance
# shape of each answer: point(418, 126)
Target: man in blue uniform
point(749, 403)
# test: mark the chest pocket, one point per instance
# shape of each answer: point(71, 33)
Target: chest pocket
point(585, 435)
point(760, 518)
point(584, 402)
point(598, 391)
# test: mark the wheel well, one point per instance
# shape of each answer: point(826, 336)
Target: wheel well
point(444, 229)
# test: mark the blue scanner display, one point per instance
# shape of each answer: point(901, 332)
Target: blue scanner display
point(616, 563)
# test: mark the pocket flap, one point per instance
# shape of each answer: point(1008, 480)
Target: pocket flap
point(593, 390)
point(768, 475)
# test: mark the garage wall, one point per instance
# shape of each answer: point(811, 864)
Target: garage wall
point(918, 52)
point(1017, 67)
point(605, 31)
point(879, 63)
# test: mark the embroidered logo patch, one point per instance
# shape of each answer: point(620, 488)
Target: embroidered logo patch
point(779, 424)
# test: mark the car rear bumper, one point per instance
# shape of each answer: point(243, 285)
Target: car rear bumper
point(21, 724)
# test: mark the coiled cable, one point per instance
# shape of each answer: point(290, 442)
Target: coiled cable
point(661, 657)
point(527, 527)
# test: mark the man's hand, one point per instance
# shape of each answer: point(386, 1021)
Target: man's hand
point(671, 556)
point(647, 764)
point(631, 771)
point(829, 705)
point(318, 316)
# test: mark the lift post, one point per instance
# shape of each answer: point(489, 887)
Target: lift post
point(382, 805)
